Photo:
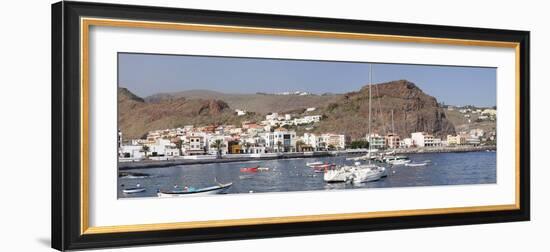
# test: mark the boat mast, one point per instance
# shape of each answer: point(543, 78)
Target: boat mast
point(370, 107)
point(392, 129)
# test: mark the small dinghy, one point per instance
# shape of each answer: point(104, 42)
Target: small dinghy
point(132, 190)
point(312, 164)
point(190, 191)
point(133, 175)
point(416, 164)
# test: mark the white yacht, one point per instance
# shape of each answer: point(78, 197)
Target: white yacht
point(367, 174)
point(340, 174)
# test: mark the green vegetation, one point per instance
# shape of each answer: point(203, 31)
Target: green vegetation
point(218, 145)
point(359, 144)
point(145, 149)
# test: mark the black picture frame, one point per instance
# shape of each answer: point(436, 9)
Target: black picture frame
point(66, 155)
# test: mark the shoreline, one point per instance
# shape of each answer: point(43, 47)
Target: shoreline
point(146, 164)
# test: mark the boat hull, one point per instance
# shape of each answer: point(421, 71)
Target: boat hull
point(133, 190)
point(203, 191)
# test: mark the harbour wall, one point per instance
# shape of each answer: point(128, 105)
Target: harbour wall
point(158, 162)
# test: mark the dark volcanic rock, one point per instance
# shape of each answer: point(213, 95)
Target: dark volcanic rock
point(413, 111)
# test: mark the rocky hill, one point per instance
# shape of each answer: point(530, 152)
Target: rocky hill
point(413, 110)
point(137, 116)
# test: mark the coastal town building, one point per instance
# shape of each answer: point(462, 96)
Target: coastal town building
point(334, 141)
point(240, 112)
point(406, 143)
point(131, 151)
point(489, 112)
point(274, 119)
point(393, 141)
point(376, 141)
point(193, 144)
point(280, 140)
point(324, 141)
point(476, 133)
point(456, 140)
point(422, 139)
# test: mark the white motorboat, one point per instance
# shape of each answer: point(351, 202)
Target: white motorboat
point(189, 191)
point(398, 161)
point(311, 164)
point(416, 164)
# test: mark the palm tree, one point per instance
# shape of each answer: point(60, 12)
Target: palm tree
point(179, 144)
point(218, 145)
point(247, 146)
point(299, 145)
point(145, 149)
point(279, 144)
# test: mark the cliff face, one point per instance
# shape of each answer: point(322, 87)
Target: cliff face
point(413, 111)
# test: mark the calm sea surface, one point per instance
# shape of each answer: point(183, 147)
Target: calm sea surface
point(293, 174)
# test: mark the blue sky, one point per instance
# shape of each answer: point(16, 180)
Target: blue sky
point(147, 74)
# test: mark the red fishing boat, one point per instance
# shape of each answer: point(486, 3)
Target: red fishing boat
point(250, 169)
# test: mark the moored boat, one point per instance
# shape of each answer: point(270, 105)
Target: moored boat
point(133, 175)
point(399, 162)
point(367, 174)
point(133, 190)
point(250, 169)
point(190, 191)
point(341, 174)
point(311, 164)
point(416, 164)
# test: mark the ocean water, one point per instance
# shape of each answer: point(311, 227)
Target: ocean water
point(287, 175)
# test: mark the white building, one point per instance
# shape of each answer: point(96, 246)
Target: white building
point(280, 140)
point(193, 144)
point(489, 112)
point(272, 116)
point(158, 147)
point(311, 140)
point(376, 141)
point(131, 151)
point(422, 139)
point(406, 143)
point(240, 112)
point(476, 133)
point(334, 140)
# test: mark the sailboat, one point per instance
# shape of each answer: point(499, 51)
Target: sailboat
point(358, 173)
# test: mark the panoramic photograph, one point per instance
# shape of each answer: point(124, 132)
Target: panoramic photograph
point(210, 125)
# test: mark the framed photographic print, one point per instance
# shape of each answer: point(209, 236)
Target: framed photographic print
point(180, 125)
